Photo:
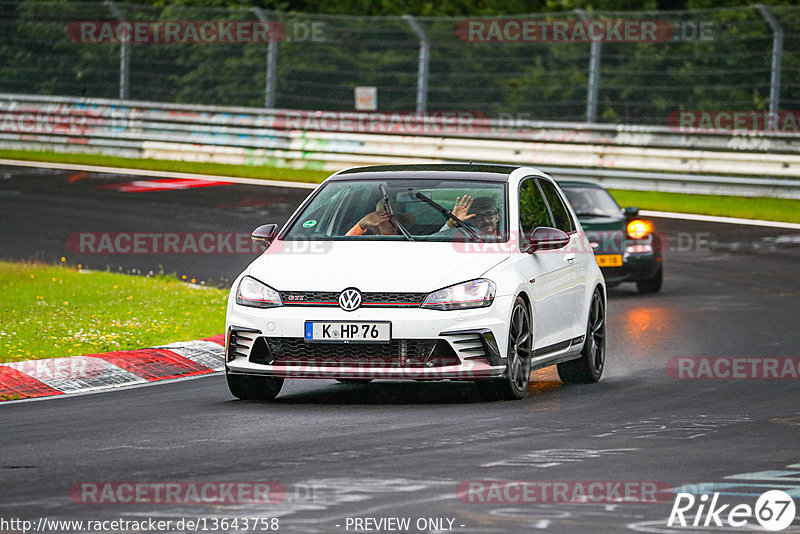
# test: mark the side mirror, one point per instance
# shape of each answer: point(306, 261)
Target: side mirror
point(631, 212)
point(265, 234)
point(546, 238)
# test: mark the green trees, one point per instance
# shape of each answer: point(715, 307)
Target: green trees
point(639, 82)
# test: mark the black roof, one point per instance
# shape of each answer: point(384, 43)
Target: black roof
point(434, 171)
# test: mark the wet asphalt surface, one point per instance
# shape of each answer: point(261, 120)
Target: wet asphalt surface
point(406, 450)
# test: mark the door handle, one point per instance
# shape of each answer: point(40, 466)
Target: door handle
point(569, 257)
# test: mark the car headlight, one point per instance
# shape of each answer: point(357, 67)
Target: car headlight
point(255, 294)
point(639, 228)
point(472, 294)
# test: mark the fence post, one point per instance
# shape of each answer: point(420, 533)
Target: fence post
point(422, 71)
point(124, 54)
point(777, 56)
point(272, 63)
point(594, 74)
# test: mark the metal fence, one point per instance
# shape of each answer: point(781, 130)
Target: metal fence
point(731, 59)
point(649, 158)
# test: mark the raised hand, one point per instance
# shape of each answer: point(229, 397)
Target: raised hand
point(461, 210)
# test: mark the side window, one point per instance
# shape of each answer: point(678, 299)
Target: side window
point(560, 214)
point(533, 211)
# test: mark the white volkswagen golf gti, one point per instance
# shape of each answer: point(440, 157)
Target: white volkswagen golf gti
point(420, 272)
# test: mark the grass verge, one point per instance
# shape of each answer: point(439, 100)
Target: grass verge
point(217, 169)
point(771, 209)
point(54, 311)
point(767, 209)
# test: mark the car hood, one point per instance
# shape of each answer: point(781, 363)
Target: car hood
point(602, 223)
point(606, 234)
point(373, 266)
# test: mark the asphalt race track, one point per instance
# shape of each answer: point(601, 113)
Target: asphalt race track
point(345, 453)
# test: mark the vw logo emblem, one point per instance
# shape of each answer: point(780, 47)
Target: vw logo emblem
point(350, 299)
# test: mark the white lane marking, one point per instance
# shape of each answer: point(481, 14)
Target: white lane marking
point(157, 174)
point(676, 427)
point(77, 373)
point(554, 457)
point(207, 353)
point(716, 219)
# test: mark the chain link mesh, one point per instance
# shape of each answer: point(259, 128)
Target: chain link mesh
point(321, 59)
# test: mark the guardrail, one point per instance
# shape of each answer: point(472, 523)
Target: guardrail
point(645, 158)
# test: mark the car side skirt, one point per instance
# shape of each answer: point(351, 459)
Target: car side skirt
point(560, 352)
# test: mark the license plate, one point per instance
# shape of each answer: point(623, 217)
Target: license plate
point(609, 260)
point(340, 331)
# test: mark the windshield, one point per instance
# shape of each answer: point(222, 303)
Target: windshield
point(358, 210)
point(591, 201)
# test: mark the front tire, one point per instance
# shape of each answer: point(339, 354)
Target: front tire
point(589, 367)
point(651, 285)
point(249, 387)
point(517, 376)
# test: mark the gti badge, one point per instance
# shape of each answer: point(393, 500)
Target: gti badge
point(350, 299)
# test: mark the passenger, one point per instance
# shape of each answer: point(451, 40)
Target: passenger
point(485, 216)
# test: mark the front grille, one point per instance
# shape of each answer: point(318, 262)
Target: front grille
point(331, 298)
point(396, 353)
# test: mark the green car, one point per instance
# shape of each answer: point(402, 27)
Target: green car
point(625, 246)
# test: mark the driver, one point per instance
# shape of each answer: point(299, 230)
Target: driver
point(582, 205)
point(379, 222)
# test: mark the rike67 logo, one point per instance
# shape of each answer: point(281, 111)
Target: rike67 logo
point(774, 510)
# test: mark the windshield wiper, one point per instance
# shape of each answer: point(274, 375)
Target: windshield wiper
point(392, 218)
point(448, 215)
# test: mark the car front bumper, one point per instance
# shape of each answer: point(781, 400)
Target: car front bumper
point(635, 267)
point(425, 345)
